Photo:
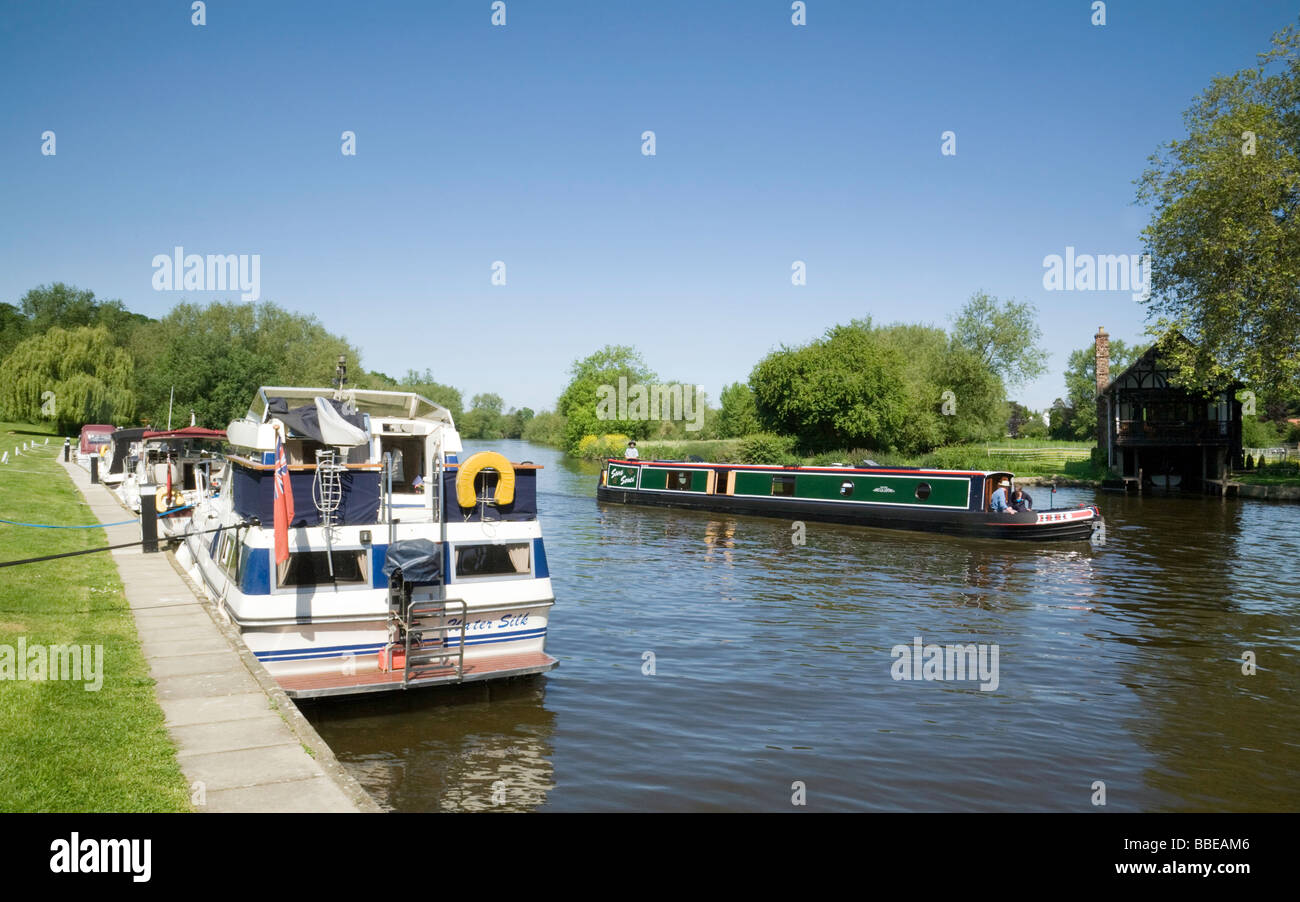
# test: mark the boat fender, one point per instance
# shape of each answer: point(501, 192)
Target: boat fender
point(166, 502)
point(485, 460)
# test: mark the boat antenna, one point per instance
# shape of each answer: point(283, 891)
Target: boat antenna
point(341, 373)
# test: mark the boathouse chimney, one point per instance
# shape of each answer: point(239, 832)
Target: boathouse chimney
point(1102, 341)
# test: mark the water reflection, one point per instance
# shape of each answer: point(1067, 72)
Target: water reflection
point(476, 747)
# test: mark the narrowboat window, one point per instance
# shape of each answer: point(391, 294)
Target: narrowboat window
point(846, 489)
point(783, 485)
point(922, 490)
point(311, 568)
point(679, 479)
point(508, 559)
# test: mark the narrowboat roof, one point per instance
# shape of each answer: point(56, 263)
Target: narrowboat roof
point(401, 404)
point(679, 464)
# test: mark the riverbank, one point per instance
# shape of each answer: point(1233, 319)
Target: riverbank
point(241, 743)
point(69, 744)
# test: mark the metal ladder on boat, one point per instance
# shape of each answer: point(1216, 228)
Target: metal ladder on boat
point(327, 492)
point(426, 635)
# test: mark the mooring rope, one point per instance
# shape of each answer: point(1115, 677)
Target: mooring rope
point(53, 557)
point(93, 525)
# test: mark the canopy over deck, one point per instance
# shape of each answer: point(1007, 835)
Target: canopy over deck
point(401, 404)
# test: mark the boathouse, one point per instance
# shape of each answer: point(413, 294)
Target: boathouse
point(1158, 432)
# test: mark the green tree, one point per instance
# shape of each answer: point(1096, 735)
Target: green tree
point(484, 419)
point(1004, 335)
point(1080, 423)
point(1224, 234)
point(738, 416)
point(68, 307)
point(546, 428)
point(13, 328)
point(578, 402)
point(217, 355)
point(845, 389)
point(72, 376)
point(517, 421)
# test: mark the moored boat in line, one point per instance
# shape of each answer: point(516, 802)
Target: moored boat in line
point(947, 501)
point(395, 564)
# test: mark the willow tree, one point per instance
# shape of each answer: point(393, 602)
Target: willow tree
point(70, 376)
point(1224, 236)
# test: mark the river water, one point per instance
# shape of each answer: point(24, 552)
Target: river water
point(773, 673)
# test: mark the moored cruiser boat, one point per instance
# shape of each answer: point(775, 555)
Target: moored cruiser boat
point(398, 566)
point(93, 441)
point(120, 459)
point(948, 501)
point(179, 465)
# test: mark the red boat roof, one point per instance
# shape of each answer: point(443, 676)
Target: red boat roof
point(681, 464)
point(189, 432)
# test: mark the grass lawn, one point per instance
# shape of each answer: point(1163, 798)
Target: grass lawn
point(63, 748)
point(1265, 478)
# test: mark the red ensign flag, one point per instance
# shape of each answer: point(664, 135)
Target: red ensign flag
point(283, 503)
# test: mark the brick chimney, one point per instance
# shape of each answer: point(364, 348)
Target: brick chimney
point(1103, 379)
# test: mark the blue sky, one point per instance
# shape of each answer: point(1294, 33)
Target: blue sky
point(522, 144)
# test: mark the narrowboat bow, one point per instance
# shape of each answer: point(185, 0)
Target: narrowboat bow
point(948, 501)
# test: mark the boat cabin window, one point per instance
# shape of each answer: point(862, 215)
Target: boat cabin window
point(783, 485)
point(312, 568)
point(922, 491)
point(846, 489)
point(408, 459)
point(679, 479)
point(509, 559)
point(230, 548)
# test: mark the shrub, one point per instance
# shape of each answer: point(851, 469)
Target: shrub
point(767, 448)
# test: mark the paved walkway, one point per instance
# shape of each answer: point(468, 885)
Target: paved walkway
point(237, 733)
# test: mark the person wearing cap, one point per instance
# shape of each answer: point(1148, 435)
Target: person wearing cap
point(999, 503)
point(631, 453)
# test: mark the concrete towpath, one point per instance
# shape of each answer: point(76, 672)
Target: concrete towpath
point(242, 743)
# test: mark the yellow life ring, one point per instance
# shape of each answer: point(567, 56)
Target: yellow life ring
point(485, 460)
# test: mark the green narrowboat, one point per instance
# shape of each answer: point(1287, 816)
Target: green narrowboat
point(948, 501)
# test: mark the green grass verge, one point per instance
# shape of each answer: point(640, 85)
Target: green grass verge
point(63, 748)
point(1253, 478)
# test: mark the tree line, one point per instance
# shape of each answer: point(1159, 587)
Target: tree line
point(71, 358)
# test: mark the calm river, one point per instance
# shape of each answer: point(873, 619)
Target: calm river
point(772, 666)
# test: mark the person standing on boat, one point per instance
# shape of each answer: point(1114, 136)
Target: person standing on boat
point(1021, 500)
point(631, 453)
point(999, 502)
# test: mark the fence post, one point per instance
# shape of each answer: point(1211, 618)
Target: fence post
point(149, 517)
point(94, 469)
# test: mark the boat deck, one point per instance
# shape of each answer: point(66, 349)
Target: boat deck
point(322, 684)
